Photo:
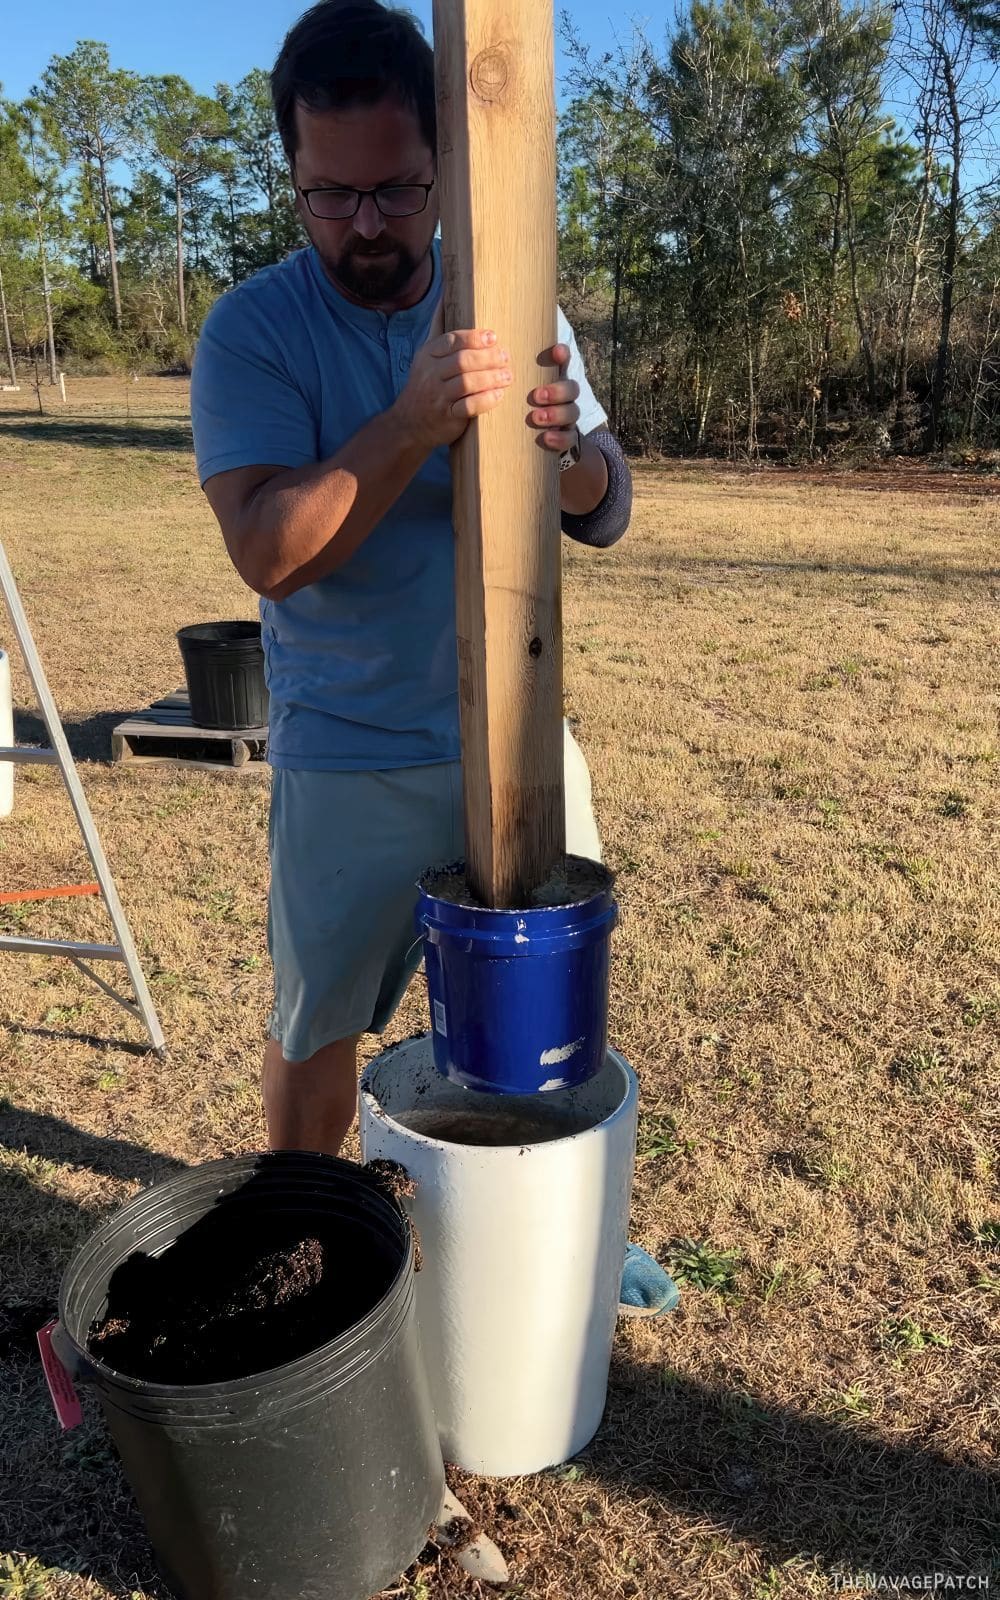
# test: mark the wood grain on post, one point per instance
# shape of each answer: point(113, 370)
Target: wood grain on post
point(496, 167)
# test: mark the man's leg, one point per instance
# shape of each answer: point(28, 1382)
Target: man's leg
point(310, 1105)
point(346, 851)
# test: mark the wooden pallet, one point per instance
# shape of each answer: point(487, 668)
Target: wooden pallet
point(165, 734)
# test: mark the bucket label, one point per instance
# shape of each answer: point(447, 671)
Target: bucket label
point(440, 1020)
point(63, 1395)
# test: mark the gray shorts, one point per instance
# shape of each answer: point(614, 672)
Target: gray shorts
point(346, 850)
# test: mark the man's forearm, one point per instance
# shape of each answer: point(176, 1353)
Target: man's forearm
point(302, 524)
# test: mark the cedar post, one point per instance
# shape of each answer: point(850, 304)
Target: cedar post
point(496, 168)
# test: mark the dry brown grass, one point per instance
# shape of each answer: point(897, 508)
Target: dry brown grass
point(787, 692)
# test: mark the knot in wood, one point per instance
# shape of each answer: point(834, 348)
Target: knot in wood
point(489, 72)
point(535, 648)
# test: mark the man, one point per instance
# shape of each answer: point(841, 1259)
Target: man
point(324, 400)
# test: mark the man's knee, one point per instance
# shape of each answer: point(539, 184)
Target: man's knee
point(336, 1056)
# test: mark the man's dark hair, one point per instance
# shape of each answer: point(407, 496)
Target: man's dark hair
point(345, 53)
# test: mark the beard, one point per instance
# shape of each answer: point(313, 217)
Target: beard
point(370, 275)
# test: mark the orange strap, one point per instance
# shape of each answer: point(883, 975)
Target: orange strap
point(64, 891)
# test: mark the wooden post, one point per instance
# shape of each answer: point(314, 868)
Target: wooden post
point(496, 169)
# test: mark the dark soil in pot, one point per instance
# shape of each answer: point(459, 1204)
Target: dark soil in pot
point(214, 1307)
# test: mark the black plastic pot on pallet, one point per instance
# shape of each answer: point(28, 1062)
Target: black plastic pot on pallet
point(224, 668)
point(316, 1480)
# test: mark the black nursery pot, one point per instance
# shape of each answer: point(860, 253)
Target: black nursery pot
point(313, 1480)
point(224, 669)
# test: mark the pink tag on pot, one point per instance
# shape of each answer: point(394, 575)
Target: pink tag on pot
point(64, 1396)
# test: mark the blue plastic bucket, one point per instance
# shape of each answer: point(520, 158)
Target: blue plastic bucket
point(519, 999)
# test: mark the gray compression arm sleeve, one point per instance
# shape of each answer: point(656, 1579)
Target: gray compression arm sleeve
point(607, 522)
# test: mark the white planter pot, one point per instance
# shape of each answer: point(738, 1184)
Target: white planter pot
point(6, 737)
point(523, 1244)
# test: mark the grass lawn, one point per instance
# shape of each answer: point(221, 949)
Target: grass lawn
point(787, 690)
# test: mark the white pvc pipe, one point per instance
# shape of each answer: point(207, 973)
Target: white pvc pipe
point(6, 737)
point(523, 1244)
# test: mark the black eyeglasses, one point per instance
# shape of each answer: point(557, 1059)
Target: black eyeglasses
point(394, 200)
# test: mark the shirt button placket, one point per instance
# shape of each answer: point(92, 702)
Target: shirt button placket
point(400, 353)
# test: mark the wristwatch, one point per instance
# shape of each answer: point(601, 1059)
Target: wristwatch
point(570, 457)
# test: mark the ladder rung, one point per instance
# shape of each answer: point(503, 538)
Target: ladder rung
point(62, 947)
point(28, 755)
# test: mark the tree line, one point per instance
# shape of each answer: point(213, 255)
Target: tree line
point(779, 225)
point(781, 232)
point(104, 273)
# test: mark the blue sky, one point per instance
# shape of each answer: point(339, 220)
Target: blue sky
point(206, 41)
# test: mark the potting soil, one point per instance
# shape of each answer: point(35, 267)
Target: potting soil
point(216, 1305)
point(494, 1126)
point(571, 881)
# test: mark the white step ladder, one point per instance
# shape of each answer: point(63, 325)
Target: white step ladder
point(58, 755)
